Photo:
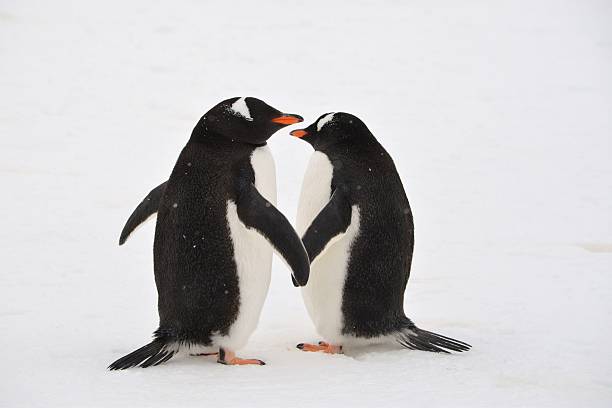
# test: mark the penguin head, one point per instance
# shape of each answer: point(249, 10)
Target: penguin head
point(247, 120)
point(332, 128)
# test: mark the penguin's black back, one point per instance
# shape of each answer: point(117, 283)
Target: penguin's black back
point(381, 254)
point(195, 271)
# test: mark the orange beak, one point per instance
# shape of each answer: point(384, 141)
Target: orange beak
point(299, 133)
point(287, 119)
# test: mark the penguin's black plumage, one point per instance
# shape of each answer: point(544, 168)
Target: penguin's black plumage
point(215, 214)
point(357, 227)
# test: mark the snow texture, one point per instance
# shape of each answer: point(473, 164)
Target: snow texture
point(497, 115)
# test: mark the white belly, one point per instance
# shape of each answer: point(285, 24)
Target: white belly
point(253, 255)
point(323, 293)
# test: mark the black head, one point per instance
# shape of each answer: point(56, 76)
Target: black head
point(332, 128)
point(248, 120)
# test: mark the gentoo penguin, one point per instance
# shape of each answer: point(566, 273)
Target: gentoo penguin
point(357, 227)
point(215, 228)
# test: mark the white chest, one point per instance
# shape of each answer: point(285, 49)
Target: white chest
point(323, 293)
point(253, 255)
point(316, 190)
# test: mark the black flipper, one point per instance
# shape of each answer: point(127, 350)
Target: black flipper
point(256, 212)
point(154, 353)
point(332, 221)
point(145, 209)
point(414, 338)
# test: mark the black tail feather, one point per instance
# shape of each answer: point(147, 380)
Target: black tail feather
point(417, 339)
point(154, 353)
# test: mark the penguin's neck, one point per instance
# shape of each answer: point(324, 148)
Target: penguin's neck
point(349, 147)
point(222, 146)
point(202, 134)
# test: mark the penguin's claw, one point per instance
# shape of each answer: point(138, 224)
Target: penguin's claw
point(322, 346)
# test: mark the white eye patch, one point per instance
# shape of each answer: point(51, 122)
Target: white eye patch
point(324, 120)
point(240, 108)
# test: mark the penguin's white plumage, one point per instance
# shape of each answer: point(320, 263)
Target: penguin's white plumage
point(323, 294)
point(253, 256)
point(316, 190)
point(240, 108)
point(325, 119)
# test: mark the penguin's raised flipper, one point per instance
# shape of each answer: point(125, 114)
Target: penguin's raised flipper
point(258, 213)
point(145, 209)
point(333, 221)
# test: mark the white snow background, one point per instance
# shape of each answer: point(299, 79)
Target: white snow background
point(498, 117)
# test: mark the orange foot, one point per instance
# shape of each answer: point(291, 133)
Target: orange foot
point(229, 358)
point(322, 346)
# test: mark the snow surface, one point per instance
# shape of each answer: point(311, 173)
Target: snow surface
point(497, 116)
